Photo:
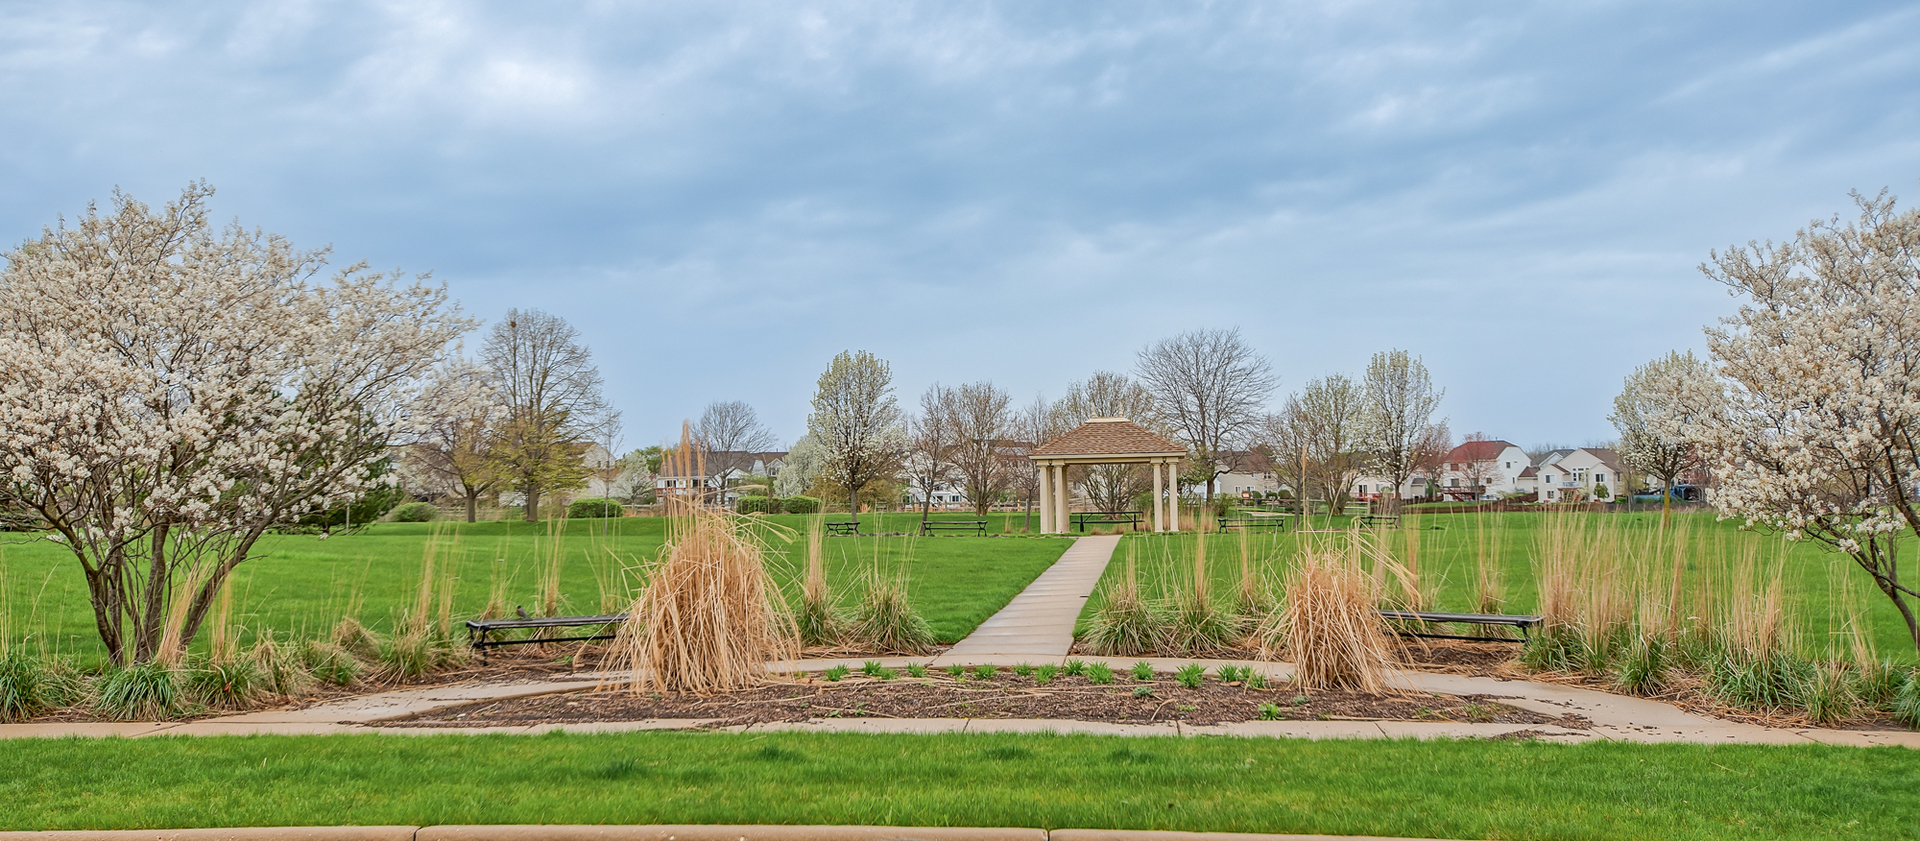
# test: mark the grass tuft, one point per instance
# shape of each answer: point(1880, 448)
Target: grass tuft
point(149, 691)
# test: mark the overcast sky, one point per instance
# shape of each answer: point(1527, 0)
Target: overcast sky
point(722, 196)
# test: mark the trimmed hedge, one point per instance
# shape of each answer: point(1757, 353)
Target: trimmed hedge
point(801, 505)
point(595, 508)
point(760, 505)
point(416, 512)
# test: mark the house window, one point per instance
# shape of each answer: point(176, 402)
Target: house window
point(1363, 490)
point(1599, 477)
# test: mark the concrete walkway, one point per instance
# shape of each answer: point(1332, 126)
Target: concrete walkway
point(1038, 623)
point(1035, 627)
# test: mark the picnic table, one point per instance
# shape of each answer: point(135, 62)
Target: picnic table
point(843, 527)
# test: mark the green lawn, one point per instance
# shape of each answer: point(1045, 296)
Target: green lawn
point(1436, 789)
point(1449, 545)
point(304, 585)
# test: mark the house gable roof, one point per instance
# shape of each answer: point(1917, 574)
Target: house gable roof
point(1473, 451)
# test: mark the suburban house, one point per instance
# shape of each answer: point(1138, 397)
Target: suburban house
point(1576, 475)
point(1483, 470)
point(723, 469)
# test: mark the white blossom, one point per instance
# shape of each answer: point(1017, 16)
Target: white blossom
point(169, 393)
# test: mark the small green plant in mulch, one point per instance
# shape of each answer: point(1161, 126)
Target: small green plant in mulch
point(1269, 711)
point(1023, 669)
point(1234, 674)
point(1099, 673)
point(956, 671)
point(1143, 670)
point(1479, 713)
point(886, 674)
point(1191, 675)
point(871, 668)
point(1143, 692)
point(1186, 708)
point(1044, 674)
point(916, 670)
point(1256, 680)
point(1299, 700)
point(1076, 668)
point(983, 671)
point(837, 672)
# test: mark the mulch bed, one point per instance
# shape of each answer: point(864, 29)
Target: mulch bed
point(1005, 695)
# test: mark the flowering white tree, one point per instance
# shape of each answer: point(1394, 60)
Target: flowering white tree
point(170, 393)
point(1813, 422)
point(857, 424)
point(1645, 411)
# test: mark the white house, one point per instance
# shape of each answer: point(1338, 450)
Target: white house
point(1576, 475)
point(1483, 470)
point(723, 470)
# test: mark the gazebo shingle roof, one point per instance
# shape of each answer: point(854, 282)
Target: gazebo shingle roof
point(1108, 436)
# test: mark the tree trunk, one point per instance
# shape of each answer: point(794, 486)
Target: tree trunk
point(473, 506)
point(533, 506)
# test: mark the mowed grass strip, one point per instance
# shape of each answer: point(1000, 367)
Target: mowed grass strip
point(302, 584)
point(1438, 789)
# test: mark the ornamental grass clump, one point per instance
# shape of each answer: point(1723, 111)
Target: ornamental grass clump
point(818, 619)
point(24, 686)
point(1193, 621)
point(710, 618)
point(884, 620)
point(150, 691)
point(1126, 623)
point(1328, 622)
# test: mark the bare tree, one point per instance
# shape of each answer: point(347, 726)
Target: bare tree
point(551, 390)
point(605, 463)
point(1029, 428)
point(980, 418)
point(1398, 405)
point(1430, 455)
point(1111, 487)
point(731, 434)
point(457, 428)
point(931, 438)
point(1209, 388)
point(856, 422)
point(1322, 426)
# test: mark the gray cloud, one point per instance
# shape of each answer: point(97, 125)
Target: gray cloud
point(724, 195)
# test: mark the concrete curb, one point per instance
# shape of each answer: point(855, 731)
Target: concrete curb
point(665, 832)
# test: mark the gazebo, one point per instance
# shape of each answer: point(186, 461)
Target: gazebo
point(1107, 441)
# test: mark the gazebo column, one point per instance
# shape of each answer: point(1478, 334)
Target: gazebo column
point(1159, 522)
point(1174, 500)
point(1046, 498)
point(1060, 488)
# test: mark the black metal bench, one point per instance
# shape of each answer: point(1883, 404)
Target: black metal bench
point(977, 526)
point(1083, 519)
point(1253, 523)
point(843, 527)
point(1526, 624)
point(1370, 520)
point(480, 631)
